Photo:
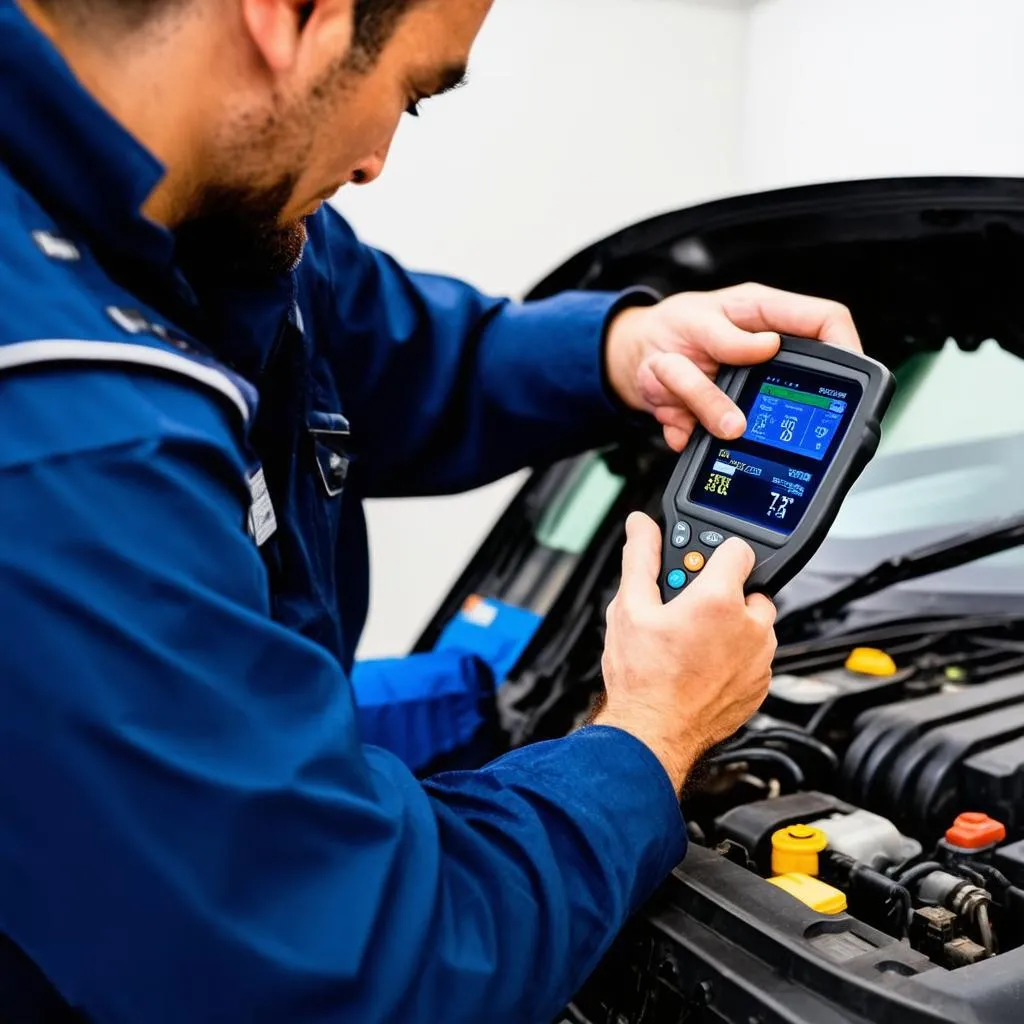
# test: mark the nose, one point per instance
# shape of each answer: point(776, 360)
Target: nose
point(369, 169)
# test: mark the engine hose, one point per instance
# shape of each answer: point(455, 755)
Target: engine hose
point(759, 755)
point(995, 880)
point(797, 737)
point(981, 919)
point(968, 872)
point(902, 893)
point(878, 886)
point(916, 873)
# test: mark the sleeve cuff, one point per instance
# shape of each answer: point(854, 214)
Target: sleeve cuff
point(624, 744)
point(607, 778)
point(582, 321)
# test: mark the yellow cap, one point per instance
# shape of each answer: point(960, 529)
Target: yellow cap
point(825, 899)
point(796, 849)
point(866, 661)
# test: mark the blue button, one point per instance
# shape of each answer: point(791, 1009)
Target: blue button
point(712, 538)
point(676, 579)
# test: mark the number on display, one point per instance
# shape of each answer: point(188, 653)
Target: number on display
point(718, 483)
point(780, 505)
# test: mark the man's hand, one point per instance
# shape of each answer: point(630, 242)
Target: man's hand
point(663, 359)
point(685, 675)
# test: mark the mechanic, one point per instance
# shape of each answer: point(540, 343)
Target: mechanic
point(190, 826)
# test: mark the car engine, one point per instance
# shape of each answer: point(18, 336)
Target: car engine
point(888, 785)
point(881, 788)
point(884, 778)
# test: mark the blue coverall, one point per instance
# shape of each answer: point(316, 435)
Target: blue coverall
point(190, 827)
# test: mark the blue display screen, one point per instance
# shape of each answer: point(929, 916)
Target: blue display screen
point(796, 420)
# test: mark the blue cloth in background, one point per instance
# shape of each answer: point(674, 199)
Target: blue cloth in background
point(428, 706)
point(496, 632)
point(425, 706)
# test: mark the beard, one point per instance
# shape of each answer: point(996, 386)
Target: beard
point(235, 234)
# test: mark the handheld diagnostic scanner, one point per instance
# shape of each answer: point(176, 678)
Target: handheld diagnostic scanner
point(813, 424)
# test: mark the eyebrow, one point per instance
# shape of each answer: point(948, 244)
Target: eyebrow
point(451, 78)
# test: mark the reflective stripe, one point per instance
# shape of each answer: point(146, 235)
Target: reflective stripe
point(27, 353)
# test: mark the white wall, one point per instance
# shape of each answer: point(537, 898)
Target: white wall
point(838, 89)
point(581, 117)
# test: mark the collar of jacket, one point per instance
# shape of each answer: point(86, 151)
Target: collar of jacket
point(93, 176)
point(85, 168)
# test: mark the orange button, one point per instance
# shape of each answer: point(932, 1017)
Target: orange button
point(694, 561)
point(973, 831)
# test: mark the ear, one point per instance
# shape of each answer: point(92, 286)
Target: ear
point(281, 29)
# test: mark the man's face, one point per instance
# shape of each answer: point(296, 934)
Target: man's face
point(290, 138)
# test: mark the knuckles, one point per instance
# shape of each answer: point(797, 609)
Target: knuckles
point(841, 312)
point(716, 601)
point(635, 618)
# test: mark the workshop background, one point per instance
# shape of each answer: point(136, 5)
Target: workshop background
point(583, 116)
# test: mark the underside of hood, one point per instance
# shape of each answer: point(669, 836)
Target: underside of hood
point(917, 260)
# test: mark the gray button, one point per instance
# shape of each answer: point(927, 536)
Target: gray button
point(712, 538)
point(680, 535)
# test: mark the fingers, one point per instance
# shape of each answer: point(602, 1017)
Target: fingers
point(762, 610)
point(756, 307)
point(729, 343)
point(698, 394)
point(641, 561)
point(677, 438)
point(722, 584)
point(722, 580)
point(731, 564)
point(678, 424)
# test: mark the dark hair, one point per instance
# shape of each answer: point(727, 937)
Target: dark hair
point(375, 20)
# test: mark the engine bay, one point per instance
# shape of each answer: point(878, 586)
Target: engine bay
point(857, 849)
point(891, 773)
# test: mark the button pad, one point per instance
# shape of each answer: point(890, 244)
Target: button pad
point(676, 579)
point(694, 561)
point(687, 546)
point(680, 535)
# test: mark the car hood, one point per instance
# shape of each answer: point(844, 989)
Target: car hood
point(917, 260)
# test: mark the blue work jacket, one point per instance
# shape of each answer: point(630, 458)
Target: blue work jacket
point(192, 828)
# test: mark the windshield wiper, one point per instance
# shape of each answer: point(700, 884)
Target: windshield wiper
point(992, 537)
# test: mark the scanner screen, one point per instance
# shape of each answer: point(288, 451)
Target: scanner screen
point(796, 421)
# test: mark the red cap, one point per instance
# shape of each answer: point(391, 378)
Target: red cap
point(973, 830)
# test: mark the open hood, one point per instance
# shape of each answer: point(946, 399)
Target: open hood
point(881, 765)
point(917, 260)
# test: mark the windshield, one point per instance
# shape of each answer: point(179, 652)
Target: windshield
point(952, 455)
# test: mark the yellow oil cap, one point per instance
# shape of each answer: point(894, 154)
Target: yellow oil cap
point(825, 899)
point(867, 661)
point(796, 848)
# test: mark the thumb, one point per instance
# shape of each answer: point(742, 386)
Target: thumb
point(641, 560)
point(732, 346)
